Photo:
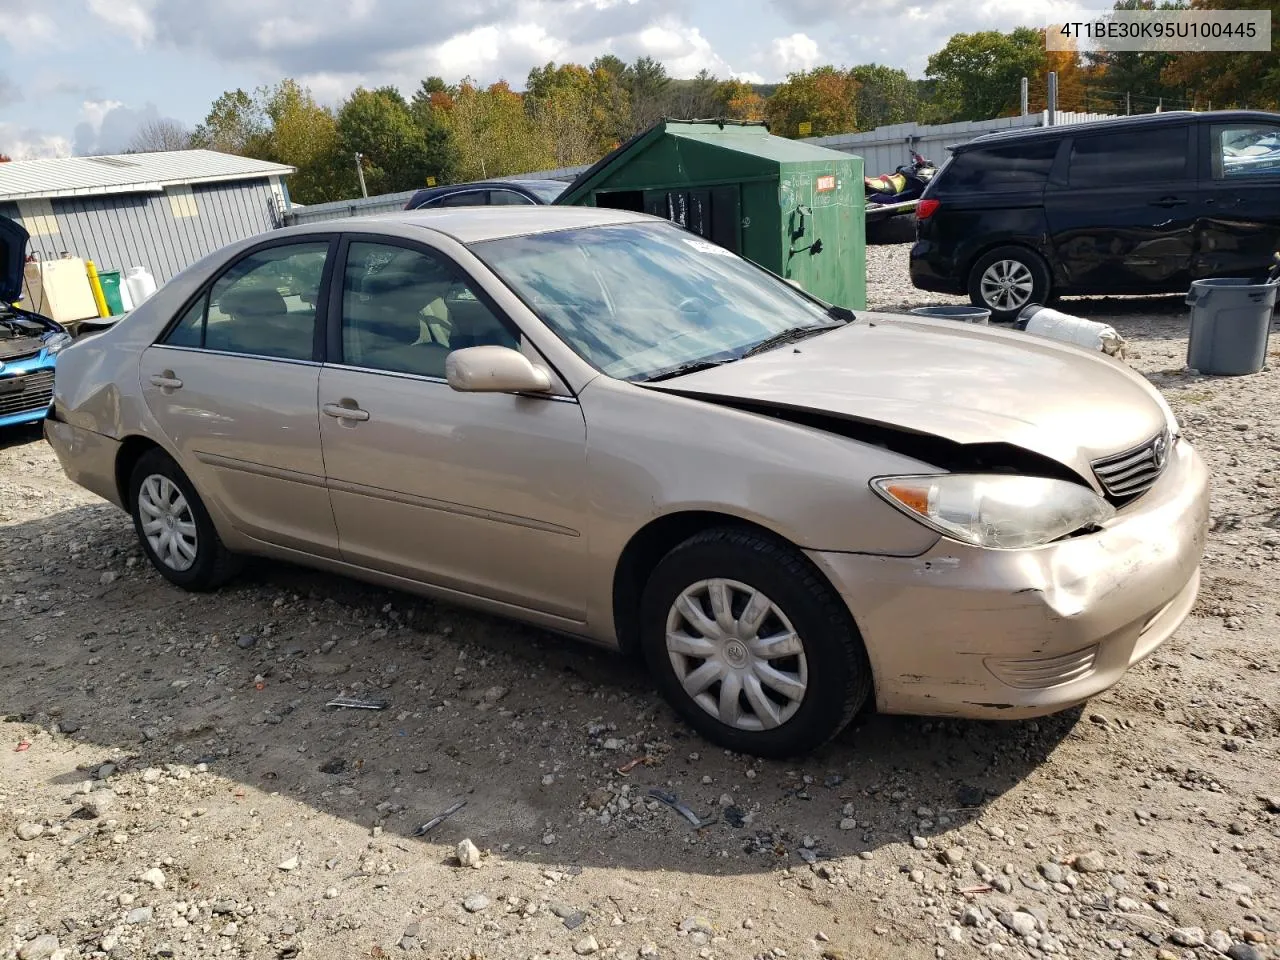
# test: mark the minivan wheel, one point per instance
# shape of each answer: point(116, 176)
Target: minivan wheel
point(751, 646)
point(174, 527)
point(1007, 279)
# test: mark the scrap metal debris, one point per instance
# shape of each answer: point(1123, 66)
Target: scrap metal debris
point(626, 768)
point(680, 807)
point(354, 703)
point(439, 819)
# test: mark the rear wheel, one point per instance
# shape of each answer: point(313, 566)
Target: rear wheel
point(174, 527)
point(751, 646)
point(1007, 279)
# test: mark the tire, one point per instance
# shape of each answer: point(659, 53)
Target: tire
point(1017, 265)
point(834, 673)
point(157, 481)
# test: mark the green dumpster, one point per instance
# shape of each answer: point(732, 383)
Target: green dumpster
point(110, 280)
point(793, 208)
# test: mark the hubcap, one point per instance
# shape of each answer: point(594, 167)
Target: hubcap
point(167, 522)
point(1007, 284)
point(737, 655)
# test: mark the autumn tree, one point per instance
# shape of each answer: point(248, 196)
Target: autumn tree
point(885, 95)
point(1229, 79)
point(978, 76)
point(304, 135)
point(739, 100)
point(494, 134)
point(1121, 80)
point(825, 98)
point(574, 107)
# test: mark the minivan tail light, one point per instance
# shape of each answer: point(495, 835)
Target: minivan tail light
point(925, 208)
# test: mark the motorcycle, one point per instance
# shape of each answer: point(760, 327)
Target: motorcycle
point(907, 182)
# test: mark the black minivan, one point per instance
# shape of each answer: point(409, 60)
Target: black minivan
point(1131, 205)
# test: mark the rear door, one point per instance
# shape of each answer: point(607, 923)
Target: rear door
point(232, 383)
point(1121, 219)
point(1239, 224)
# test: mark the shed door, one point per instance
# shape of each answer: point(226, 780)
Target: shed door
point(712, 212)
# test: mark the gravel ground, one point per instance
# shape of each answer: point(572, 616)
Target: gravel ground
point(173, 785)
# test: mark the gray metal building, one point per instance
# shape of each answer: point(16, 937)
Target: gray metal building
point(162, 211)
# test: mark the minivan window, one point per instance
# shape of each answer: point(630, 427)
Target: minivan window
point(1136, 156)
point(993, 168)
point(1246, 150)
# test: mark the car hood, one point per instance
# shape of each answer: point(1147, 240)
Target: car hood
point(13, 255)
point(963, 383)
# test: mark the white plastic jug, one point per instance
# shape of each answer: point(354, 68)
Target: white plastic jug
point(141, 284)
point(1043, 322)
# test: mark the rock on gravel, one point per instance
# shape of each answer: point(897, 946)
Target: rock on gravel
point(1245, 951)
point(155, 877)
point(1187, 936)
point(468, 854)
point(1090, 862)
point(29, 831)
point(99, 803)
point(475, 903)
point(41, 948)
point(586, 947)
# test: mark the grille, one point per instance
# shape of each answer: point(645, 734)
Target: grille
point(1132, 473)
point(1048, 672)
point(23, 354)
point(36, 393)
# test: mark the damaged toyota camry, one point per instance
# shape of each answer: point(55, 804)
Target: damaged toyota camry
point(596, 422)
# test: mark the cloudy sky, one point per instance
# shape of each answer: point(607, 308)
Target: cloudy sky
point(80, 76)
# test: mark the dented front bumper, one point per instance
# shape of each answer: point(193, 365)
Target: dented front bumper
point(967, 632)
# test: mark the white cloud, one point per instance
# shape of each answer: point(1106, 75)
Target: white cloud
point(133, 18)
point(21, 26)
point(24, 143)
point(795, 53)
point(109, 126)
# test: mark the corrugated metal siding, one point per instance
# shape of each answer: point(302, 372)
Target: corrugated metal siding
point(118, 232)
point(885, 148)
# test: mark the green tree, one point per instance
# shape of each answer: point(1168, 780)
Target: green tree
point(978, 76)
point(237, 123)
point(646, 84)
point(885, 95)
point(825, 98)
point(494, 134)
point(1127, 79)
point(399, 154)
point(305, 135)
point(575, 109)
point(696, 99)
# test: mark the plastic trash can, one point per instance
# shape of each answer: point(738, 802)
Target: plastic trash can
point(1230, 325)
point(963, 314)
point(110, 280)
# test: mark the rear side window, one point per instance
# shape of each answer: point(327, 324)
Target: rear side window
point(1016, 166)
point(1131, 157)
point(1245, 150)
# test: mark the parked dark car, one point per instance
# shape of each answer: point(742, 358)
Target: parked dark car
point(1133, 205)
point(487, 193)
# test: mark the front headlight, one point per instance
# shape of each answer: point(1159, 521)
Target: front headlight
point(996, 511)
point(57, 342)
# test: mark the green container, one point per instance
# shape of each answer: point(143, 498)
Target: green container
point(794, 208)
point(110, 280)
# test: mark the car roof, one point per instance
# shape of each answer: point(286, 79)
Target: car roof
point(476, 224)
point(484, 184)
point(1143, 121)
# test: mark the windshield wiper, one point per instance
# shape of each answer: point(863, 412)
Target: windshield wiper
point(684, 368)
point(790, 335)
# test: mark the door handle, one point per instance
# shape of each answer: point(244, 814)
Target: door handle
point(341, 412)
point(1169, 202)
point(166, 381)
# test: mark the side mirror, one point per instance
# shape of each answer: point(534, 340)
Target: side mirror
point(494, 369)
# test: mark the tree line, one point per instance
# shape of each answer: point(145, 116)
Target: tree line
point(571, 114)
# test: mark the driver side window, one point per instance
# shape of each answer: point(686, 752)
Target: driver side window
point(405, 310)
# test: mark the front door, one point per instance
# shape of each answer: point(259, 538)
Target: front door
point(1123, 222)
point(474, 492)
point(1239, 225)
point(233, 386)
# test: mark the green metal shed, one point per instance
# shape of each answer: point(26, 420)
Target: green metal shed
point(792, 207)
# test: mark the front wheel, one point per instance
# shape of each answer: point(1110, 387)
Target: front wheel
point(1006, 280)
point(174, 527)
point(751, 646)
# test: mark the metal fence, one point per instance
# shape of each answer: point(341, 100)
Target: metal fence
point(388, 202)
point(881, 149)
point(884, 148)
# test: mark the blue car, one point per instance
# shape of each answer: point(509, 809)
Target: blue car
point(29, 343)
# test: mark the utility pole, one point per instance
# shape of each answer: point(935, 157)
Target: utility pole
point(1053, 97)
point(1024, 96)
point(1126, 103)
point(364, 191)
point(1160, 106)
